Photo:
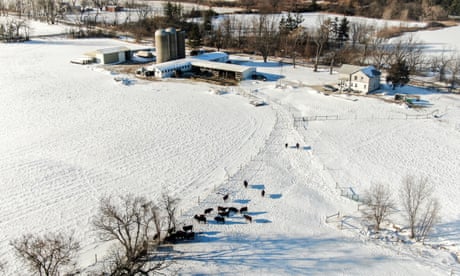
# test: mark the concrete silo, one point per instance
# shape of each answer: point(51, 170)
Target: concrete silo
point(181, 44)
point(162, 46)
point(172, 43)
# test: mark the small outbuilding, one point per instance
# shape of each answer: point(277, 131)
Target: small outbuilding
point(359, 79)
point(111, 55)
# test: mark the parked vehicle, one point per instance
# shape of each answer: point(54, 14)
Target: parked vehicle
point(259, 76)
point(328, 87)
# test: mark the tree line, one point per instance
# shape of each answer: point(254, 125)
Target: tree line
point(330, 41)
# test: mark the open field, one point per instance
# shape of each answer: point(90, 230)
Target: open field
point(71, 134)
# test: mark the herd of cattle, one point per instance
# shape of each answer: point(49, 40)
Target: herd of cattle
point(222, 213)
point(226, 212)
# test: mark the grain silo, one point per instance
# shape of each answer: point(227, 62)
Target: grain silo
point(172, 43)
point(162, 46)
point(181, 44)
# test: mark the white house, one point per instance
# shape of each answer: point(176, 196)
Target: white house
point(360, 79)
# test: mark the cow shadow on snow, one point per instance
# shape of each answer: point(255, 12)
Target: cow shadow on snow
point(242, 201)
point(257, 186)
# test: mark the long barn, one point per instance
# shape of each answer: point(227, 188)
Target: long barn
point(224, 70)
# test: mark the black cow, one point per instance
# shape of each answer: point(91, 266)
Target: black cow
point(243, 209)
point(221, 209)
point(248, 218)
point(180, 235)
point(189, 235)
point(187, 228)
point(208, 211)
point(263, 193)
point(200, 218)
point(233, 210)
point(226, 197)
point(224, 214)
point(297, 145)
point(245, 183)
point(220, 219)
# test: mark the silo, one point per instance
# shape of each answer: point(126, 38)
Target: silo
point(181, 44)
point(172, 43)
point(162, 46)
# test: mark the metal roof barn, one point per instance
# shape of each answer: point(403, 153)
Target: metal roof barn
point(111, 55)
point(225, 70)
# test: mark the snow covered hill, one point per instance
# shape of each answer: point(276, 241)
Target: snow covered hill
point(71, 133)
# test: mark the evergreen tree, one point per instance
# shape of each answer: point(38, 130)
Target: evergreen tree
point(194, 36)
point(398, 74)
point(290, 23)
point(343, 30)
point(454, 8)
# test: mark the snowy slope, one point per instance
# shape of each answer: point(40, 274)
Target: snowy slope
point(71, 133)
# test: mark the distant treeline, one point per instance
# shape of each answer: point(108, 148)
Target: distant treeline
point(385, 9)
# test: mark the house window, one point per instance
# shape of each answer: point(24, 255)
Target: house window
point(362, 78)
point(356, 77)
point(364, 86)
point(356, 85)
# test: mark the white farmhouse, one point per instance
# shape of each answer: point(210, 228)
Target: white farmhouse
point(360, 79)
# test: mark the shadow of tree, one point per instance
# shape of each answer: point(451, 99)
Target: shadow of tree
point(250, 254)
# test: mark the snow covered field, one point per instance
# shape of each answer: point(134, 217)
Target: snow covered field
point(71, 134)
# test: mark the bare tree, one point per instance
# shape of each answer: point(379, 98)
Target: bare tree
point(51, 254)
point(440, 63)
point(170, 206)
point(380, 204)
point(429, 217)
point(131, 222)
point(420, 206)
point(265, 37)
point(454, 67)
point(320, 38)
point(379, 51)
point(409, 50)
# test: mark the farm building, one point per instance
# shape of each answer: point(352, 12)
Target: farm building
point(224, 70)
point(171, 68)
point(196, 64)
point(170, 44)
point(214, 56)
point(111, 55)
point(360, 79)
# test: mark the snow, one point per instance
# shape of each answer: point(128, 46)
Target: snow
point(71, 134)
point(311, 19)
point(436, 41)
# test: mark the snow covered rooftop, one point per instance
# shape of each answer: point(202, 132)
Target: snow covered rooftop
point(349, 69)
point(171, 63)
point(222, 66)
point(371, 72)
point(212, 56)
